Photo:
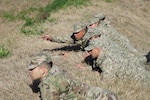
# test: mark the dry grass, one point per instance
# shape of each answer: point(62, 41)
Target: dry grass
point(129, 17)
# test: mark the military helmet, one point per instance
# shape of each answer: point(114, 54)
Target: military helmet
point(97, 42)
point(38, 59)
point(93, 44)
point(78, 27)
point(93, 20)
point(97, 18)
point(100, 16)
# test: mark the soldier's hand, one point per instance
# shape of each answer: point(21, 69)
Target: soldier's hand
point(47, 37)
point(79, 66)
point(86, 54)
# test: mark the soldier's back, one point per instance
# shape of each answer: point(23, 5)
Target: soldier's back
point(64, 87)
point(115, 63)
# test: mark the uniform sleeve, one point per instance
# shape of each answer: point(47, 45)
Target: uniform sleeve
point(48, 91)
point(101, 58)
point(63, 39)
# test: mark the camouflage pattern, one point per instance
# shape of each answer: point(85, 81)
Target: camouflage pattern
point(115, 64)
point(93, 32)
point(78, 27)
point(67, 37)
point(63, 39)
point(90, 31)
point(124, 54)
point(118, 38)
point(104, 28)
point(109, 31)
point(58, 85)
point(97, 18)
point(39, 59)
point(93, 20)
point(100, 16)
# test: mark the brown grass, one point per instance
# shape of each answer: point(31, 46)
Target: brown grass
point(129, 17)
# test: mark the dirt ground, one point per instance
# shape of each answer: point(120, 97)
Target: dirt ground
point(129, 17)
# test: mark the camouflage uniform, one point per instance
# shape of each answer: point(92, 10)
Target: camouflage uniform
point(106, 29)
point(118, 38)
point(67, 37)
point(116, 64)
point(89, 33)
point(58, 85)
point(103, 21)
point(100, 18)
point(82, 42)
point(63, 39)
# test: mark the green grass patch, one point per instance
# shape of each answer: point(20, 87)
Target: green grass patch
point(110, 1)
point(35, 15)
point(38, 28)
point(3, 52)
point(62, 4)
point(22, 15)
point(8, 16)
point(43, 12)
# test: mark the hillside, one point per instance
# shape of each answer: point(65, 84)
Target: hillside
point(129, 17)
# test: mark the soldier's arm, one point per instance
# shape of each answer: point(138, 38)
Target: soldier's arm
point(102, 56)
point(62, 39)
point(48, 91)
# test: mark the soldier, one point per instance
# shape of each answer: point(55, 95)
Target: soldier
point(56, 84)
point(97, 20)
point(94, 26)
point(108, 30)
point(78, 32)
point(112, 63)
point(81, 33)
